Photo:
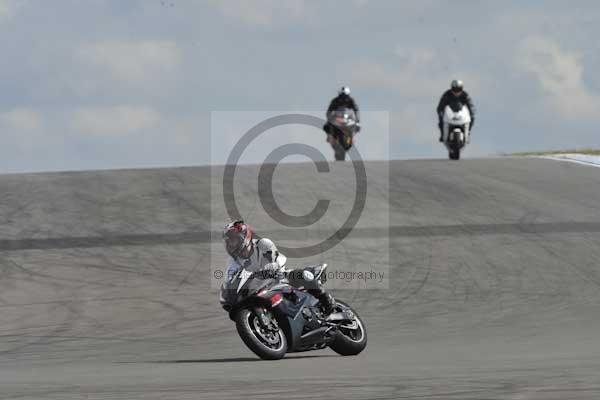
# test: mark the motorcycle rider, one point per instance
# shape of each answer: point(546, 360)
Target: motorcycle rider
point(456, 93)
point(262, 255)
point(343, 99)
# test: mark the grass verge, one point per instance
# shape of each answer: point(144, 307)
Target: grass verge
point(589, 152)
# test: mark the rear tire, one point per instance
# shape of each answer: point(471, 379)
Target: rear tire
point(350, 342)
point(247, 328)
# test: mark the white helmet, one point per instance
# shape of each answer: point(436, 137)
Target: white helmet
point(344, 90)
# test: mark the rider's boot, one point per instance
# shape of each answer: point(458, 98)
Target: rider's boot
point(327, 302)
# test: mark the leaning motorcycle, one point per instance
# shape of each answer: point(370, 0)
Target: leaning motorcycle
point(273, 317)
point(344, 126)
point(456, 129)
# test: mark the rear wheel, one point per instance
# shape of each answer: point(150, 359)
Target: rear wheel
point(351, 338)
point(268, 344)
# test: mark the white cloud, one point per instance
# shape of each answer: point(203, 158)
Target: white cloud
point(133, 61)
point(8, 9)
point(20, 120)
point(261, 13)
point(24, 132)
point(416, 123)
point(415, 72)
point(5, 10)
point(360, 3)
point(187, 130)
point(415, 75)
point(415, 58)
point(374, 141)
point(113, 120)
point(559, 74)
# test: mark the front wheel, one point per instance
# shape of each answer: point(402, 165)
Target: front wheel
point(340, 155)
point(338, 151)
point(265, 343)
point(454, 152)
point(351, 338)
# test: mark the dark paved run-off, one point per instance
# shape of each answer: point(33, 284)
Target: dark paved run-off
point(492, 266)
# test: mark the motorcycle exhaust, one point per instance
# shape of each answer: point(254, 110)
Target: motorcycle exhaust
point(339, 316)
point(314, 336)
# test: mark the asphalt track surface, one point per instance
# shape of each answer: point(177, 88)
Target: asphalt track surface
point(493, 287)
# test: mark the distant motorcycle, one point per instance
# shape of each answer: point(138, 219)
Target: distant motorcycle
point(456, 124)
point(273, 317)
point(345, 127)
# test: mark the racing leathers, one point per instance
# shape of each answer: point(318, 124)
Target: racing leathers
point(342, 100)
point(265, 257)
point(449, 98)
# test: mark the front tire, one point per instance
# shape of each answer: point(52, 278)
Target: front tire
point(338, 151)
point(266, 345)
point(454, 153)
point(340, 155)
point(350, 340)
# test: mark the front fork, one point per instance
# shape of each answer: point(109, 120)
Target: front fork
point(446, 133)
point(265, 320)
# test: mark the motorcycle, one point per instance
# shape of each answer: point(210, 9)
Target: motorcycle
point(345, 127)
point(274, 318)
point(456, 129)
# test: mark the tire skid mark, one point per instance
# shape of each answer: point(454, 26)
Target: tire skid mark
point(197, 237)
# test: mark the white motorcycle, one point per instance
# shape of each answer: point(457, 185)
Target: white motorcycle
point(456, 124)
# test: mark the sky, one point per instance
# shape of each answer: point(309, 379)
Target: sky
point(106, 84)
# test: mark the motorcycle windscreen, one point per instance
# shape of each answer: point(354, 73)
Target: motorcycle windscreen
point(341, 115)
point(247, 283)
point(459, 117)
